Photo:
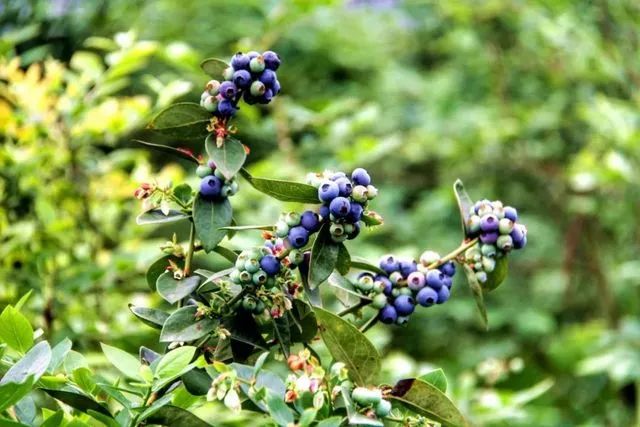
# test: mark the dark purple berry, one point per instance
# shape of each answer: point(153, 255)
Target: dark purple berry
point(240, 61)
point(340, 207)
point(228, 90)
point(427, 297)
point(388, 263)
point(443, 295)
point(270, 265)
point(328, 191)
point(489, 222)
point(355, 213)
point(511, 213)
point(310, 221)
point(404, 305)
point(360, 177)
point(298, 236)
point(435, 279)
point(388, 314)
point(448, 268)
point(242, 78)
point(355, 232)
point(226, 108)
point(271, 60)
point(324, 212)
point(407, 267)
point(489, 237)
point(266, 97)
point(276, 87)
point(447, 281)
point(268, 77)
point(522, 243)
point(210, 187)
point(345, 186)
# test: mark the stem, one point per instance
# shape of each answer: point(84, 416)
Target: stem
point(364, 328)
point(354, 308)
point(462, 248)
point(192, 242)
point(394, 419)
point(145, 402)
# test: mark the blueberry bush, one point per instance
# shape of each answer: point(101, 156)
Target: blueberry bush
point(224, 326)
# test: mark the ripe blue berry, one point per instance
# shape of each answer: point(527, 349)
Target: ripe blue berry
point(210, 187)
point(270, 265)
point(328, 191)
point(344, 185)
point(416, 281)
point(448, 268)
point(388, 314)
point(249, 99)
point(240, 61)
point(226, 108)
point(489, 237)
point(388, 263)
point(298, 236)
point(276, 87)
point(489, 222)
point(340, 207)
point(434, 279)
point(427, 297)
point(404, 305)
point(511, 213)
point(355, 212)
point(271, 60)
point(360, 177)
point(517, 235)
point(447, 281)
point(407, 267)
point(242, 78)
point(310, 221)
point(443, 295)
point(268, 77)
point(266, 97)
point(324, 212)
point(228, 90)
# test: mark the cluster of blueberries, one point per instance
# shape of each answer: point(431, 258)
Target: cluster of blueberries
point(495, 225)
point(405, 284)
point(344, 201)
point(255, 268)
point(214, 185)
point(251, 76)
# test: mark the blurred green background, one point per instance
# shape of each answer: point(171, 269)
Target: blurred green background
point(535, 103)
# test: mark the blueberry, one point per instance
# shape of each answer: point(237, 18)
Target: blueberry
point(210, 104)
point(429, 257)
point(226, 108)
point(257, 88)
point(310, 221)
point(336, 230)
point(365, 282)
point(404, 305)
point(427, 297)
point(505, 226)
point(203, 170)
point(473, 225)
point(360, 177)
point(489, 222)
point(522, 244)
point(270, 265)
point(383, 408)
point(488, 250)
point(372, 192)
point(298, 236)
point(227, 74)
point(443, 295)
point(256, 65)
point(228, 90)
point(210, 187)
point(266, 97)
point(276, 87)
point(282, 229)
point(328, 191)
point(324, 212)
point(481, 276)
point(249, 99)
point(511, 213)
point(434, 279)
point(402, 320)
point(252, 265)
point(448, 268)
point(379, 301)
point(416, 281)
point(356, 231)
point(242, 78)
point(447, 281)
point(292, 219)
point(489, 237)
point(505, 243)
point(240, 61)
point(344, 185)
point(268, 77)
point(271, 60)
point(355, 213)
point(407, 267)
point(212, 87)
point(517, 235)
point(388, 263)
point(488, 264)
point(252, 54)
point(386, 283)
point(340, 207)
point(388, 314)
point(360, 193)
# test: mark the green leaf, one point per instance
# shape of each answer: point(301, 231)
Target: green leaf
point(436, 378)
point(197, 382)
point(476, 290)
point(155, 216)
point(305, 327)
point(23, 300)
point(229, 158)
point(363, 264)
point(183, 193)
point(348, 345)
point(226, 253)
point(211, 284)
point(173, 290)
point(264, 379)
point(174, 362)
point(245, 336)
point(183, 326)
point(331, 422)
point(280, 413)
point(54, 420)
point(248, 227)
point(33, 364)
point(175, 417)
point(464, 203)
point(158, 267)
point(344, 290)
point(10, 423)
point(282, 333)
point(324, 257)
point(214, 67)
point(425, 399)
point(83, 377)
point(26, 410)
point(285, 191)
point(497, 276)
point(15, 330)
point(209, 216)
point(78, 401)
point(10, 393)
point(185, 120)
point(150, 316)
point(58, 353)
point(184, 154)
point(123, 361)
point(343, 265)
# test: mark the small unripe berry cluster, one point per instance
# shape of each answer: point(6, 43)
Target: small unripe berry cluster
point(256, 268)
point(405, 284)
point(370, 401)
point(296, 228)
point(251, 76)
point(498, 232)
point(344, 200)
point(214, 185)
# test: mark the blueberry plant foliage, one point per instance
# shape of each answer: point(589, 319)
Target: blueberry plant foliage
point(227, 324)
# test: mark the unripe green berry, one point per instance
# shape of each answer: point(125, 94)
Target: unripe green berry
point(365, 283)
point(488, 250)
point(485, 208)
point(505, 243)
point(242, 258)
point(406, 291)
point(219, 174)
point(234, 276)
point(348, 228)
point(473, 224)
point(292, 219)
point(396, 277)
point(260, 277)
point(378, 287)
point(383, 408)
point(249, 303)
point(372, 192)
point(210, 104)
point(481, 276)
point(505, 226)
point(296, 256)
point(254, 253)
point(339, 239)
point(271, 282)
point(282, 229)
point(336, 230)
point(245, 277)
point(213, 87)
point(395, 292)
point(257, 88)
point(402, 320)
point(429, 257)
point(366, 397)
point(488, 264)
point(472, 253)
point(226, 191)
point(252, 265)
point(478, 266)
point(499, 212)
point(379, 301)
point(360, 193)
point(257, 64)
point(228, 73)
point(259, 307)
point(234, 187)
point(203, 170)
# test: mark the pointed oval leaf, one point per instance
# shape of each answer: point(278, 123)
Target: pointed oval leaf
point(280, 413)
point(156, 216)
point(229, 158)
point(209, 216)
point(123, 361)
point(32, 365)
point(464, 203)
point(476, 290)
point(11, 393)
point(185, 154)
point(324, 257)
point(182, 325)
point(348, 345)
point(214, 67)
point(285, 191)
point(185, 120)
point(174, 362)
point(158, 267)
point(436, 378)
point(58, 353)
point(174, 416)
point(363, 264)
point(15, 330)
point(343, 264)
point(150, 316)
point(304, 327)
point(197, 382)
point(425, 399)
point(78, 401)
point(173, 290)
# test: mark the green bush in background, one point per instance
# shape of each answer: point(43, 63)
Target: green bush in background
point(533, 101)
